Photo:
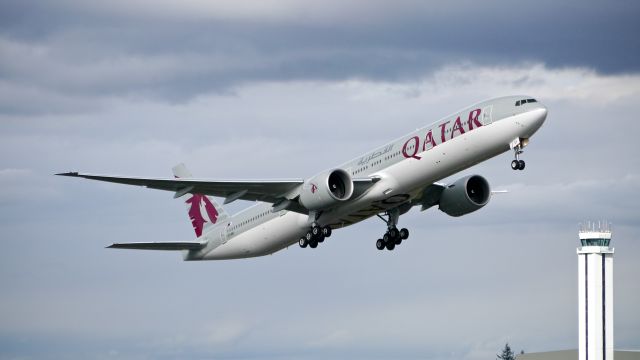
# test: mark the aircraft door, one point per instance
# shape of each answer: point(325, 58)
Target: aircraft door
point(486, 115)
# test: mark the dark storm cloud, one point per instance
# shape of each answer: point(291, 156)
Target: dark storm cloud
point(76, 50)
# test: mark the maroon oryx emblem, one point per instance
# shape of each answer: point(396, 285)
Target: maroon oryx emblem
point(197, 201)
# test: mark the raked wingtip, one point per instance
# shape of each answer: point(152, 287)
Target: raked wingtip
point(70, 173)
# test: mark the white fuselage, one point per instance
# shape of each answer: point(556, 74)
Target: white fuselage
point(404, 166)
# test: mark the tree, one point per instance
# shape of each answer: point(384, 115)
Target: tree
point(507, 354)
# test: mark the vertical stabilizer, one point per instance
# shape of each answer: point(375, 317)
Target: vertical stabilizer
point(204, 212)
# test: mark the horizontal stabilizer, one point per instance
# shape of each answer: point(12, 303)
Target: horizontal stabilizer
point(159, 245)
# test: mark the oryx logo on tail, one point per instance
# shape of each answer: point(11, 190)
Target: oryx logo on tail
point(199, 218)
point(203, 211)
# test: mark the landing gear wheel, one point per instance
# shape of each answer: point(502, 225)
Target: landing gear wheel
point(320, 238)
point(308, 236)
point(520, 164)
point(313, 244)
point(326, 231)
point(315, 231)
point(515, 165)
point(303, 242)
point(393, 237)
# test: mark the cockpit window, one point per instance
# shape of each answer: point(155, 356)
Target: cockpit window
point(524, 101)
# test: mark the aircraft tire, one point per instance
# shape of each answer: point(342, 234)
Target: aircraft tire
point(303, 242)
point(515, 165)
point(380, 244)
point(393, 232)
point(308, 236)
point(320, 238)
point(315, 231)
point(521, 165)
point(313, 244)
point(326, 231)
point(386, 238)
point(397, 240)
point(391, 245)
point(404, 233)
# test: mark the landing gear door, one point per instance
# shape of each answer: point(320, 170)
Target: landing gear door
point(486, 115)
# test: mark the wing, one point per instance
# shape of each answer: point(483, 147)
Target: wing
point(271, 191)
point(281, 193)
point(430, 196)
point(158, 245)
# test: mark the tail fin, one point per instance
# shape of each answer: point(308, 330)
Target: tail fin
point(203, 210)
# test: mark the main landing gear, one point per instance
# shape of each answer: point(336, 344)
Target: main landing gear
point(517, 164)
point(393, 236)
point(314, 236)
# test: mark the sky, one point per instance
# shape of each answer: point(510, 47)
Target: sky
point(286, 89)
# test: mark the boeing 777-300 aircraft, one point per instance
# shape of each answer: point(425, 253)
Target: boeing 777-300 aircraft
point(385, 182)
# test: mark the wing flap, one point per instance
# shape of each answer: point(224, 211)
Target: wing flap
point(180, 245)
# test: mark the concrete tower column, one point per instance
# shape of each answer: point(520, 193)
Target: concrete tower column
point(595, 292)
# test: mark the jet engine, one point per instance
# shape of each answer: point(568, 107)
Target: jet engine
point(326, 189)
point(464, 196)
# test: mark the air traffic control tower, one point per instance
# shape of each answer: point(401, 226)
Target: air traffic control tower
point(595, 292)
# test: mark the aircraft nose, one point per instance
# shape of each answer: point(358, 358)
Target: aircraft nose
point(540, 115)
point(543, 113)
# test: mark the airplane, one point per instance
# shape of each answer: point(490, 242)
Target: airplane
point(385, 182)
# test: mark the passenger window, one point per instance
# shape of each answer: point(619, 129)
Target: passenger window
point(518, 103)
point(531, 100)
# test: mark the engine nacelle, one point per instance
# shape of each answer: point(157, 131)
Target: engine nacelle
point(466, 195)
point(326, 189)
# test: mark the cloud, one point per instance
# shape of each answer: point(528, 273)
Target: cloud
point(549, 84)
point(592, 197)
point(24, 186)
point(55, 53)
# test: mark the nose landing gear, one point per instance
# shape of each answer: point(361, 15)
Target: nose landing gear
point(517, 147)
point(517, 164)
